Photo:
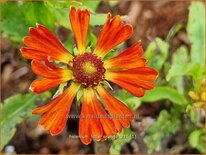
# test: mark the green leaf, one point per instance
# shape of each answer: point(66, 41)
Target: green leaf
point(130, 100)
point(164, 126)
point(193, 113)
point(23, 16)
point(92, 40)
point(15, 110)
point(191, 69)
point(92, 5)
point(179, 57)
point(69, 44)
point(124, 137)
point(197, 139)
point(173, 31)
point(13, 23)
point(157, 53)
point(79, 96)
point(60, 89)
point(98, 18)
point(164, 92)
point(63, 4)
point(196, 32)
point(106, 83)
point(37, 12)
point(61, 10)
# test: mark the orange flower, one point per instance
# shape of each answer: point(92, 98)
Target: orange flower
point(87, 70)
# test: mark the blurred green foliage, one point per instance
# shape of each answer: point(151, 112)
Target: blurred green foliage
point(48, 13)
point(186, 65)
point(157, 53)
point(124, 137)
point(164, 92)
point(166, 124)
point(15, 110)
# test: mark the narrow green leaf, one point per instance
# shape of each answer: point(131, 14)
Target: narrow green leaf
point(173, 31)
point(180, 57)
point(60, 89)
point(164, 92)
point(106, 83)
point(196, 31)
point(157, 53)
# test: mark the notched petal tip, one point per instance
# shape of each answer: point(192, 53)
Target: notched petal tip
point(130, 28)
point(21, 49)
point(109, 15)
point(31, 88)
point(55, 132)
point(86, 141)
point(72, 8)
point(24, 38)
point(37, 25)
point(31, 29)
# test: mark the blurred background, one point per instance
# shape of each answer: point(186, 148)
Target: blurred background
point(169, 119)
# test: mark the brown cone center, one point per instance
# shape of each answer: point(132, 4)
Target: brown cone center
point(88, 70)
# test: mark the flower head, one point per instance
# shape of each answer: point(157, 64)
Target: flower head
point(102, 115)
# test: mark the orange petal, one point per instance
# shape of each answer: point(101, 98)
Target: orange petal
point(90, 117)
point(48, 70)
point(35, 54)
point(142, 78)
point(55, 113)
point(113, 33)
point(84, 125)
point(130, 58)
point(43, 45)
point(44, 84)
point(120, 113)
point(106, 121)
point(79, 20)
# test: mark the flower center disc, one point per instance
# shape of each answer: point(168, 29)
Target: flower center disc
point(88, 70)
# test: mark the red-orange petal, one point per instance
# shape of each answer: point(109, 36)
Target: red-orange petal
point(113, 33)
point(48, 70)
point(55, 113)
point(41, 85)
point(121, 114)
point(89, 125)
point(130, 58)
point(106, 121)
point(43, 45)
point(53, 76)
point(79, 20)
point(135, 80)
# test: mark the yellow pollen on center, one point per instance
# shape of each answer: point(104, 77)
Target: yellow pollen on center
point(89, 68)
